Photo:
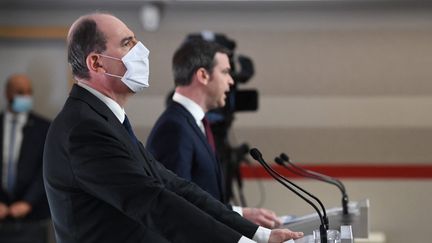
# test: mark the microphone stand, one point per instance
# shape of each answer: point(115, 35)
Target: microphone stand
point(282, 180)
point(318, 176)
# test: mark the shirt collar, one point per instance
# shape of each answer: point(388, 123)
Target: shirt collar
point(118, 111)
point(20, 117)
point(190, 105)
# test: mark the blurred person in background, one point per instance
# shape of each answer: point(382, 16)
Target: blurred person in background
point(23, 205)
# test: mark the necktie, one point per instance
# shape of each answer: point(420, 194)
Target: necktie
point(128, 127)
point(209, 133)
point(11, 161)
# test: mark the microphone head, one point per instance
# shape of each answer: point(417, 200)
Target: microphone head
point(284, 157)
point(279, 161)
point(256, 154)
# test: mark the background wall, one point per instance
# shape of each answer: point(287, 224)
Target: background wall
point(339, 83)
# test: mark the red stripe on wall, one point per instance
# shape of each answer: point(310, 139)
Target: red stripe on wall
point(348, 171)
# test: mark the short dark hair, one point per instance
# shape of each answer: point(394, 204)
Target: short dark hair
point(193, 55)
point(85, 38)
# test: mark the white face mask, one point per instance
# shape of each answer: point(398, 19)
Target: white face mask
point(137, 72)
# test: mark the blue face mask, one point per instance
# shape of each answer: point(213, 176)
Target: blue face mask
point(22, 103)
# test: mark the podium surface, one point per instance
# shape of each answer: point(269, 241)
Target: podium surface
point(346, 236)
point(358, 218)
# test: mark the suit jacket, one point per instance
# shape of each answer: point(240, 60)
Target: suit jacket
point(102, 187)
point(28, 181)
point(178, 143)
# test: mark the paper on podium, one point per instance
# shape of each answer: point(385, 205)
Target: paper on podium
point(358, 217)
point(345, 231)
point(305, 239)
point(286, 218)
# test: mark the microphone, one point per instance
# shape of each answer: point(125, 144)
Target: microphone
point(315, 175)
point(256, 154)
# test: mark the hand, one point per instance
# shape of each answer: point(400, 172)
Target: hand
point(4, 210)
point(262, 216)
point(282, 235)
point(19, 209)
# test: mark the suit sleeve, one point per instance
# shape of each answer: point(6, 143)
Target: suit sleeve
point(103, 166)
point(169, 136)
point(201, 199)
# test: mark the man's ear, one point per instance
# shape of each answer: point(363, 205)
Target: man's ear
point(93, 63)
point(202, 75)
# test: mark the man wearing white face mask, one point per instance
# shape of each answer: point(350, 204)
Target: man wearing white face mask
point(137, 67)
point(102, 184)
point(22, 195)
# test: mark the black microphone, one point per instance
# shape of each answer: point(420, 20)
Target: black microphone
point(285, 157)
point(256, 154)
point(315, 175)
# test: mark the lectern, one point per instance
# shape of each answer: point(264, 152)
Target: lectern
point(358, 218)
point(345, 233)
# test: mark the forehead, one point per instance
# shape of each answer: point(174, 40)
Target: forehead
point(19, 82)
point(114, 29)
point(222, 60)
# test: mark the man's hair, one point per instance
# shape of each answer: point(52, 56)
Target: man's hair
point(85, 38)
point(193, 55)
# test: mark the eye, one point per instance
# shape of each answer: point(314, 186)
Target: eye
point(127, 43)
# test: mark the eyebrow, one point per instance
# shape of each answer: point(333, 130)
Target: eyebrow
point(126, 39)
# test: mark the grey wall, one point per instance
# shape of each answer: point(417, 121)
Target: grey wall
point(338, 84)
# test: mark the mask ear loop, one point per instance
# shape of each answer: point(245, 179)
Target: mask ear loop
point(114, 58)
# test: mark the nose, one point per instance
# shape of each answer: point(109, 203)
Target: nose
point(230, 80)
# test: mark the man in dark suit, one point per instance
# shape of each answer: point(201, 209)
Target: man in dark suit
point(102, 185)
point(181, 138)
point(22, 195)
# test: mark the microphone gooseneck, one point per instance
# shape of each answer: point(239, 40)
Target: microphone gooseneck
point(256, 154)
point(315, 175)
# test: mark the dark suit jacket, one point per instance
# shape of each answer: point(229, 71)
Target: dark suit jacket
point(29, 184)
point(178, 143)
point(102, 187)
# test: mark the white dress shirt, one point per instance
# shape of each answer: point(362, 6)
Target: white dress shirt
point(21, 120)
point(118, 111)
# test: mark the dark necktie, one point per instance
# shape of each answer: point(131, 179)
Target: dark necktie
point(11, 161)
point(128, 127)
point(209, 133)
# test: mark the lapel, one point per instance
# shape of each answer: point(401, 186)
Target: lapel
point(27, 128)
point(26, 143)
point(192, 124)
point(101, 109)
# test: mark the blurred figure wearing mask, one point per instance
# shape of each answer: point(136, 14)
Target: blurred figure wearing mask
point(24, 211)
